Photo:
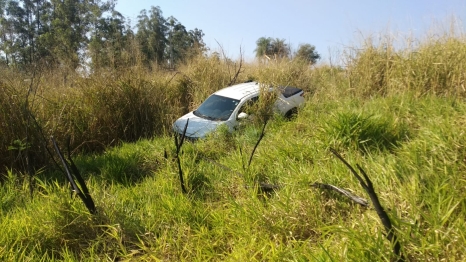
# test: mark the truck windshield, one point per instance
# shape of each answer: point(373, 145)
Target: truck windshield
point(216, 108)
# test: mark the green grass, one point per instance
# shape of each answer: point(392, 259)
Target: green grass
point(393, 112)
point(143, 215)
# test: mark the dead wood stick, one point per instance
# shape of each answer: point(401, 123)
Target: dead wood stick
point(357, 199)
point(369, 188)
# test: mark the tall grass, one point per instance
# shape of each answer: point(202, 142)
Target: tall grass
point(433, 66)
point(100, 110)
point(126, 105)
point(394, 112)
point(143, 215)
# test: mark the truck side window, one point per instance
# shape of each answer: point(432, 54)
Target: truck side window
point(247, 106)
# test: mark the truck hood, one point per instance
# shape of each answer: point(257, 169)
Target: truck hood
point(197, 127)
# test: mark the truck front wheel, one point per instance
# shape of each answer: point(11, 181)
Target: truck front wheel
point(291, 113)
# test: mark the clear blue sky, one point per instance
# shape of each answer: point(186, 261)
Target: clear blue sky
point(330, 25)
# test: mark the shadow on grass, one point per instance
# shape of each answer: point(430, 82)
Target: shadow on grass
point(83, 235)
point(126, 170)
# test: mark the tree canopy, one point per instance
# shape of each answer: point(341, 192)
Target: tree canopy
point(272, 47)
point(72, 33)
point(277, 48)
point(307, 52)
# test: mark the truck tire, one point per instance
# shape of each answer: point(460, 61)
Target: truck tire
point(291, 113)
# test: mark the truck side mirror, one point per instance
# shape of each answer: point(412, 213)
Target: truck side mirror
point(242, 115)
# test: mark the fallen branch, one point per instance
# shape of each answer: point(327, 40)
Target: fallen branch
point(369, 188)
point(178, 145)
point(78, 176)
point(82, 190)
point(268, 188)
point(258, 141)
point(357, 199)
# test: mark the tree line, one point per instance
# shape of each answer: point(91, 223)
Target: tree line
point(91, 33)
point(277, 48)
point(71, 33)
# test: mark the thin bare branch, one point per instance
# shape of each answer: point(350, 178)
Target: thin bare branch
point(357, 199)
point(178, 145)
point(238, 70)
point(257, 143)
point(82, 192)
point(227, 62)
point(385, 219)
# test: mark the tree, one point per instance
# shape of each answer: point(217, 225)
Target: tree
point(109, 42)
point(197, 39)
point(56, 31)
point(166, 41)
point(71, 22)
point(182, 44)
point(151, 35)
point(42, 25)
point(307, 53)
point(69, 33)
point(267, 46)
point(13, 30)
point(178, 41)
point(263, 47)
point(279, 48)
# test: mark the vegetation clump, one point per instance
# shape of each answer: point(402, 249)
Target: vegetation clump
point(366, 132)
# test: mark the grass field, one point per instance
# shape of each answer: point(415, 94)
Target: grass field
point(399, 114)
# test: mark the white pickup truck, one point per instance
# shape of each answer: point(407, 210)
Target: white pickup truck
point(225, 106)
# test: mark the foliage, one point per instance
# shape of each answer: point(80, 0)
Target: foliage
point(111, 44)
point(181, 44)
point(436, 66)
point(100, 110)
point(307, 52)
point(91, 35)
point(146, 217)
point(366, 132)
point(272, 48)
point(151, 34)
point(285, 73)
point(277, 49)
point(397, 114)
